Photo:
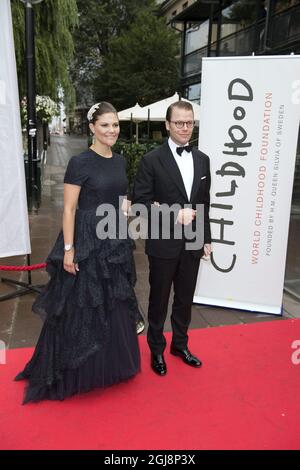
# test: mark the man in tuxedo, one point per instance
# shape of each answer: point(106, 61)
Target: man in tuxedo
point(174, 173)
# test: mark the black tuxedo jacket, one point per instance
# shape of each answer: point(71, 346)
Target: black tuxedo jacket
point(159, 180)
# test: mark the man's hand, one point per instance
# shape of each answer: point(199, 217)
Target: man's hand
point(186, 216)
point(126, 207)
point(207, 251)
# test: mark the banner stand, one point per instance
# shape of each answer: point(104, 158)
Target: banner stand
point(204, 302)
point(249, 127)
point(25, 287)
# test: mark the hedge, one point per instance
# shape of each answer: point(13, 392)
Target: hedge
point(133, 153)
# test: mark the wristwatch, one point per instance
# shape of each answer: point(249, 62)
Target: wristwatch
point(68, 247)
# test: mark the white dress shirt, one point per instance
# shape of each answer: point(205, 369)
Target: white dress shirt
point(185, 164)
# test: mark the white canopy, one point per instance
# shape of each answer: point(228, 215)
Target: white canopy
point(135, 113)
point(158, 110)
point(155, 111)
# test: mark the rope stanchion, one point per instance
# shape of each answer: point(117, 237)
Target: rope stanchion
point(23, 288)
point(23, 268)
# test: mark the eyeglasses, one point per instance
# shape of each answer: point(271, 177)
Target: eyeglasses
point(181, 124)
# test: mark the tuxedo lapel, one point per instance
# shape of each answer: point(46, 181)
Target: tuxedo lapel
point(197, 173)
point(168, 161)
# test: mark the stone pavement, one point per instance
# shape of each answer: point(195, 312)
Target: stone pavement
point(20, 328)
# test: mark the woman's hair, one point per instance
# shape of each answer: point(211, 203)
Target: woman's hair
point(98, 109)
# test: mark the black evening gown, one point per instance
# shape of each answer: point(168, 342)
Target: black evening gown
point(88, 339)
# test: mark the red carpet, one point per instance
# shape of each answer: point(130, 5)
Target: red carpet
point(245, 396)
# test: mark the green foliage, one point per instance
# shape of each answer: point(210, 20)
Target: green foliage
point(133, 153)
point(101, 22)
point(242, 12)
point(17, 9)
point(141, 65)
point(55, 21)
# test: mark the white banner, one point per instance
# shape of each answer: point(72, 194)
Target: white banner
point(249, 124)
point(14, 230)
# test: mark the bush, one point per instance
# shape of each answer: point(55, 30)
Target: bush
point(133, 153)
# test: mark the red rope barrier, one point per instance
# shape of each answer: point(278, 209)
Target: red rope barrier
point(23, 268)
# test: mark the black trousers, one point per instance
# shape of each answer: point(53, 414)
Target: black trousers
point(182, 271)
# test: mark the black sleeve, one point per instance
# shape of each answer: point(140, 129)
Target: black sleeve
point(76, 172)
point(128, 191)
point(143, 189)
point(207, 233)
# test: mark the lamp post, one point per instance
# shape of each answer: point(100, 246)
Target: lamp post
point(31, 95)
point(31, 111)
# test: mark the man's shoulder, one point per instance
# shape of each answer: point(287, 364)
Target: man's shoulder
point(200, 154)
point(156, 152)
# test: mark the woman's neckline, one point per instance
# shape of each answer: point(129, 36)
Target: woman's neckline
point(101, 156)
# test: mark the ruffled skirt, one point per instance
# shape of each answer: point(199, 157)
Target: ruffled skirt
point(89, 338)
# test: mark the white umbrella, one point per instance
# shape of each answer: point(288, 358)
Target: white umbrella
point(135, 114)
point(159, 108)
point(154, 112)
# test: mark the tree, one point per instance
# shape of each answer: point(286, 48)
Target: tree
point(141, 65)
point(99, 21)
point(243, 12)
point(55, 21)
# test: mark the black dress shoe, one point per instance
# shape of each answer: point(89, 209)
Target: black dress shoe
point(186, 356)
point(158, 364)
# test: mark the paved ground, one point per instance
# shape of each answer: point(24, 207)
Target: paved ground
point(20, 328)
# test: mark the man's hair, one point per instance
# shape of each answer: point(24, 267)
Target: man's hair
point(178, 104)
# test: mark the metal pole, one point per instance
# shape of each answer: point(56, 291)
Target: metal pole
point(148, 123)
point(31, 111)
point(219, 28)
point(131, 130)
point(183, 52)
point(136, 132)
point(211, 20)
point(28, 272)
point(266, 46)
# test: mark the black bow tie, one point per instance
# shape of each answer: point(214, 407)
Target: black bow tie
point(187, 148)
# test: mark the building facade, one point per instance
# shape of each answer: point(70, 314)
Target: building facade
point(230, 28)
point(171, 8)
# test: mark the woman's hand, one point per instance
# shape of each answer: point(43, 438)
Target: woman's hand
point(69, 264)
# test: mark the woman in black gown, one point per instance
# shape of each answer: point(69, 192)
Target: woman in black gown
point(89, 338)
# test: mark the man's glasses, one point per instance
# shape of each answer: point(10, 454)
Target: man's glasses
point(181, 124)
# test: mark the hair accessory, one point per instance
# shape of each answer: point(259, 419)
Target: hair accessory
point(92, 110)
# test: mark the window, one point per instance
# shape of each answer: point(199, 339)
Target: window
point(185, 5)
point(196, 37)
point(193, 92)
